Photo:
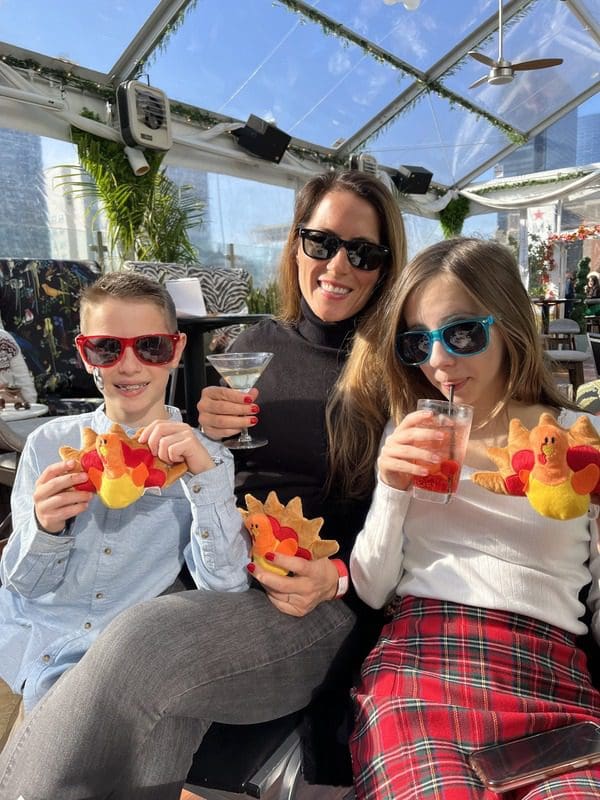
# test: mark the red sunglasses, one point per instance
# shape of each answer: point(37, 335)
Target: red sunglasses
point(106, 351)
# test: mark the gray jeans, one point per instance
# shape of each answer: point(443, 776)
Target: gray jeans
point(125, 722)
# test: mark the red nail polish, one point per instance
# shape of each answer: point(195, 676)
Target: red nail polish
point(253, 420)
point(251, 568)
point(270, 556)
point(248, 399)
point(254, 409)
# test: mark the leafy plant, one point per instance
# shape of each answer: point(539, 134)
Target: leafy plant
point(452, 218)
point(579, 307)
point(536, 262)
point(263, 301)
point(148, 216)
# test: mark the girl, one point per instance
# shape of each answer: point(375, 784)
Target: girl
point(481, 647)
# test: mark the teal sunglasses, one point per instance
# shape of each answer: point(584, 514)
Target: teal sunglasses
point(466, 337)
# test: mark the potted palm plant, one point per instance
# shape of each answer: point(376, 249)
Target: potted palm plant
point(148, 216)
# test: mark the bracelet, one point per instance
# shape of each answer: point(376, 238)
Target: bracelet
point(343, 577)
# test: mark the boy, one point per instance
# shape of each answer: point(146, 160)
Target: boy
point(72, 564)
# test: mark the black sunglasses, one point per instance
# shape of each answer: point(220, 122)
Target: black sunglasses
point(106, 351)
point(361, 254)
point(467, 337)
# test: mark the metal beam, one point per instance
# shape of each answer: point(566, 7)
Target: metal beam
point(545, 123)
point(435, 73)
point(145, 40)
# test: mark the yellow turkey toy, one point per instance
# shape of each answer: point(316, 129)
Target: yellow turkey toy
point(275, 528)
point(119, 468)
point(556, 468)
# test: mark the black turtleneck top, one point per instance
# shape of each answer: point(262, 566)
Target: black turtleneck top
point(293, 392)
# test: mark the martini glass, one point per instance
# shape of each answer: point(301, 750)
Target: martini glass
point(241, 371)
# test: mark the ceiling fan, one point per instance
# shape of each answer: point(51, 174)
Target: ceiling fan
point(502, 71)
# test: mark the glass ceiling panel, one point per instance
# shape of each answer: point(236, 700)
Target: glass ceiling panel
point(591, 7)
point(549, 30)
point(255, 58)
point(90, 34)
point(449, 141)
point(420, 37)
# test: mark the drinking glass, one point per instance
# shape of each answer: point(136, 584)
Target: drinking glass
point(241, 371)
point(455, 420)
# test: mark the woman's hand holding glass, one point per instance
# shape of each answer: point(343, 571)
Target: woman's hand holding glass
point(406, 449)
point(312, 583)
point(224, 412)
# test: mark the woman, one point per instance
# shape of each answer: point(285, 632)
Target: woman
point(152, 684)
point(592, 288)
point(481, 647)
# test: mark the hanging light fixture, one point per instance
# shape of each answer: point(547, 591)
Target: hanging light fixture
point(409, 5)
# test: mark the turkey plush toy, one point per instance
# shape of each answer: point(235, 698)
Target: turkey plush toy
point(275, 528)
point(556, 468)
point(119, 468)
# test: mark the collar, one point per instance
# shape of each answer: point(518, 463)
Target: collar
point(327, 334)
point(102, 423)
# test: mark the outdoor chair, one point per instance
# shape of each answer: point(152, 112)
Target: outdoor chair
point(562, 332)
point(570, 361)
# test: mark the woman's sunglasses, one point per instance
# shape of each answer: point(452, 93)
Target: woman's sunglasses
point(361, 254)
point(468, 337)
point(106, 351)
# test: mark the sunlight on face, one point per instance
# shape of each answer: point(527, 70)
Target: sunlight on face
point(334, 289)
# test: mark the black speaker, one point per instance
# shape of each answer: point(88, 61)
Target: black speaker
point(412, 180)
point(262, 139)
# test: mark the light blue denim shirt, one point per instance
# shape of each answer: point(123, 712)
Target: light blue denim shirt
point(59, 592)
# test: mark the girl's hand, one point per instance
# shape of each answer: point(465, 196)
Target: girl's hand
point(223, 412)
point(174, 442)
point(312, 583)
point(56, 498)
point(407, 445)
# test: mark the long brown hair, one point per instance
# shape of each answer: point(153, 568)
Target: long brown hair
point(391, 231)
point(376, 385)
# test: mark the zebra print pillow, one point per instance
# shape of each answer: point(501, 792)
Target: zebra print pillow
point(225, 291)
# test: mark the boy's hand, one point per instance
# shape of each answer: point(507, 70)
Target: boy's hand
point(174, 442)
point(56, 498)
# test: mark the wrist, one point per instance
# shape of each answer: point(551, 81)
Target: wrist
point(343, 578)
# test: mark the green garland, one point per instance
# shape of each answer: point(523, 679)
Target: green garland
point(168, 31)
point(332, 28)
point(531, 182)
point(453, 216)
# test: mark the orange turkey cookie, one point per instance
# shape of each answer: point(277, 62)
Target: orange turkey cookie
point(276, 528)
point(119, 468)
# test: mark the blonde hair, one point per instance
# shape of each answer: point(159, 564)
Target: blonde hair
point(391, 232)
point(129, 286)
point(376, 385)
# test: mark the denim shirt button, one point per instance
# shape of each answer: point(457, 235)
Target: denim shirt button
point(99, 595)
point(196, 488)
point(107, 551)
point(46, 658)
point(204, 534)
point(87, 625)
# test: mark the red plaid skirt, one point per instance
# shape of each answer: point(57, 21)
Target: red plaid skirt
point(445, 679)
